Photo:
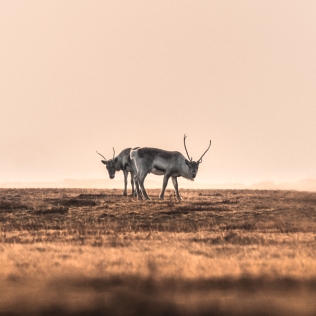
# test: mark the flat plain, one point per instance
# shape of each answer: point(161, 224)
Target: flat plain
point(217, 252)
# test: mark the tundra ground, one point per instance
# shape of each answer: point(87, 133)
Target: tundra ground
point(218, 252)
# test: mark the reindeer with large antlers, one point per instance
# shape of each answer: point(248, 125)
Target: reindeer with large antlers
point(121, 162)
point(161, 162)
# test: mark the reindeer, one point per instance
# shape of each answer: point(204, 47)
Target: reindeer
point(121, 162)
point(161, 162)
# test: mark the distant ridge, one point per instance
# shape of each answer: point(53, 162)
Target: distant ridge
point(303, 185)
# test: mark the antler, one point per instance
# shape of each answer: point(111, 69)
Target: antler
point(185, 136)
point(101, 156)
point(113, 153)
point(200, 160)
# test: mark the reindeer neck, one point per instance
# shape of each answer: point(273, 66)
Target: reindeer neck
point(118, 164)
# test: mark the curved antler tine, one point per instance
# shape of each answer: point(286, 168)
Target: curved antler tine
point(113, 153)
point(185, 136)
point(101, 155)
point(200, 160)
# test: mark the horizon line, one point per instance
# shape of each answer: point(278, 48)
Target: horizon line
point(101, 183)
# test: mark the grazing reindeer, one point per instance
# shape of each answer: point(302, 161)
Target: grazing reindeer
point(161, 162)
point(121, 162)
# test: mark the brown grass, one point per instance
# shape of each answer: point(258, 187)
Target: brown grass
point(218, 252)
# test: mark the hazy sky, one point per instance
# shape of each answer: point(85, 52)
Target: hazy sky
point(80, 76)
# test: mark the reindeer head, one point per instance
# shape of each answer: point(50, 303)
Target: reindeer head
point(193, 165)
point(110, 164)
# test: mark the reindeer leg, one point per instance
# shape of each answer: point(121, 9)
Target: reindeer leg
point(134, 174)
point(175, 184)
point(138, 192)
point(135, 187)
point(141, 179)
point(125, 182)
point(164, 185)
point(132, 183)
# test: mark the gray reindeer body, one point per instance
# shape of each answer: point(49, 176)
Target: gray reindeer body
point(121, 162)
point(162, 162)
point(159, 162)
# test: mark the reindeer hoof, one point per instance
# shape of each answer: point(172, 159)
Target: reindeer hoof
point(161, 198)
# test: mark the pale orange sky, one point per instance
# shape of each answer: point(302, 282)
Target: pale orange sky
point(80, 76)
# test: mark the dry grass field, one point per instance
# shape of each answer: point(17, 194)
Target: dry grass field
point(218, 252)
